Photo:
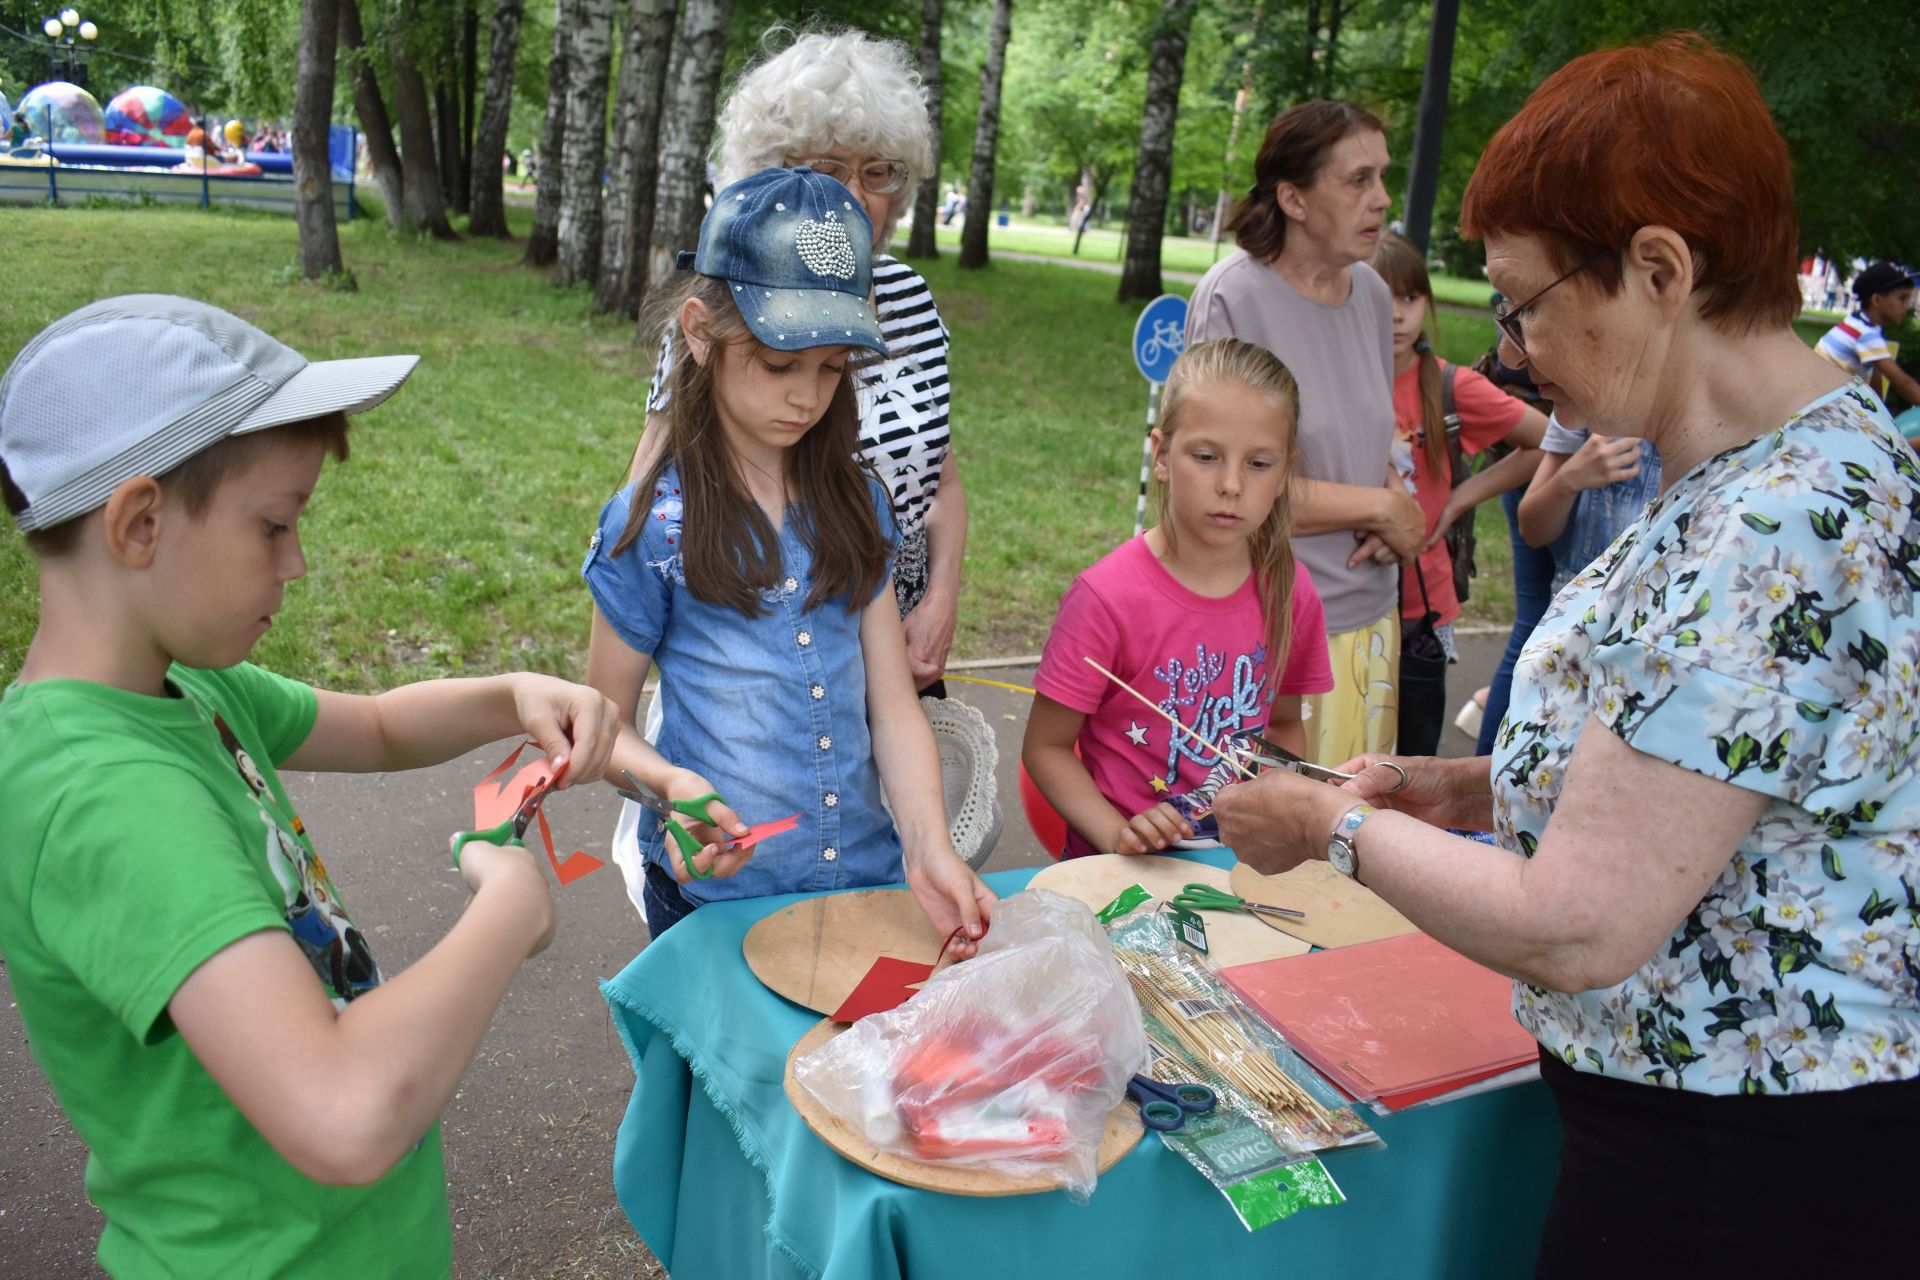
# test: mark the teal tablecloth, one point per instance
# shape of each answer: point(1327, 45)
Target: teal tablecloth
point(723, 1179)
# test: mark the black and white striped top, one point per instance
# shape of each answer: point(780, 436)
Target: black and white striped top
point(903, 411)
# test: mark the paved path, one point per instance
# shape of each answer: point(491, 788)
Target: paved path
point(529, 1137)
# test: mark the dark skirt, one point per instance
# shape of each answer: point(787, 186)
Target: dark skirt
point(1659, 1182)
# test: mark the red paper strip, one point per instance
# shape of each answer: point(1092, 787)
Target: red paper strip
point(762, 830)
point(494, 804)
point(888, 985)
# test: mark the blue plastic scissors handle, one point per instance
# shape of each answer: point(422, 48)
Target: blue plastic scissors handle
point(1166, 1106)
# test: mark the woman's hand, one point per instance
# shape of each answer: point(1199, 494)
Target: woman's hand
point(956, 901)
point(1601, 461)
point(1279, 819)
point(929, 627)
point(573, 724)
point(1151, 830)
point(714, 855)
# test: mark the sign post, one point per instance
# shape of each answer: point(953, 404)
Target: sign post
point(1159, 336)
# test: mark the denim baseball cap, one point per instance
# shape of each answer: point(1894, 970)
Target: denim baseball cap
point(136, 385)
point(798, 250)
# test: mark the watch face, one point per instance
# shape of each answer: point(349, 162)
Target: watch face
point(1340, 855)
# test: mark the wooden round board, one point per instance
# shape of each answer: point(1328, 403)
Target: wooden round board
point(1124, 1131)
point(816, 951)
point(1233, 937)
point(1340, 911)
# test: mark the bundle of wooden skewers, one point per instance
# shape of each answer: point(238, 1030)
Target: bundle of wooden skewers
point(1203, 1031)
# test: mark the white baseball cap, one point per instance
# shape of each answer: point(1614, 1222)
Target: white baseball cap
point(136, 385)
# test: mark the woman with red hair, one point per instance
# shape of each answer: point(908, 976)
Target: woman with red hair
point(1705, 787)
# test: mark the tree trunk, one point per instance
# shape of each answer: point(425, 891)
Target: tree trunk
point(1224, 207)
point(421, 207)
point(686, 131)
point(986, 133)
point(635, 171)
point(446, 131)
point(488, 201)
point(369, 104)
point(543, 242)
point(1337, 11)
point(312, 112)
point(469, 77)
point(1310, 47)
point(926, 203)
point(586, 144)
point(1153, 169)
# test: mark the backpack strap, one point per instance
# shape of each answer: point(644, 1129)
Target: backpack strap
point(1450, 414)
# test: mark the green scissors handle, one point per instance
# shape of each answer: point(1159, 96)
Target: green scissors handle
point(503, 835)
point(672, 811)
point(1204, 897)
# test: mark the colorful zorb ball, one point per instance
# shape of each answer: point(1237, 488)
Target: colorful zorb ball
point(144, 116)
point(6, 114)
point(62, 112)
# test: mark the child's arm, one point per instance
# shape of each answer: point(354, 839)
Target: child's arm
point(954, 898)
point(1285, 725)
point(342, 1096)
point(929, 625)
point(619, 671)
point(1048, 754)
point(1600, 461)
point(435, 720)
point(1511, 472)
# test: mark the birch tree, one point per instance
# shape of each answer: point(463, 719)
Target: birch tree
point(635, 171)
point(487, 200)
point(312, 112)
point(370, 105)
point(986, 134)
point(422, 207)
point(543, 242)
point(1153, 168)
point(686, 130)
point(926, 202)
point(585, 146)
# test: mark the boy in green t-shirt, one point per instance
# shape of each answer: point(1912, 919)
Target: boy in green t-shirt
point(258, 1098)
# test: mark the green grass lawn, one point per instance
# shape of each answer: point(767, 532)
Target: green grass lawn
point(451, 541)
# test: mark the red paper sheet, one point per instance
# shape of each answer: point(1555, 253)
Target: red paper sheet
point(1397, 1020)
point(888, 985)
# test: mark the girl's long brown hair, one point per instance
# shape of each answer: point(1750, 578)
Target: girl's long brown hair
point(1404, 268)
point(728, 546)
point(1198, 369)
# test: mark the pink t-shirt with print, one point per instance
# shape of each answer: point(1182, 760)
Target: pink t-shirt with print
point(1202, 659)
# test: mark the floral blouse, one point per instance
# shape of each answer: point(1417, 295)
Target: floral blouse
point(1755, 625)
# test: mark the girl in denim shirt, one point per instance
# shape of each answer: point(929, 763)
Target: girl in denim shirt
point(751, 561)
point(1588, 489)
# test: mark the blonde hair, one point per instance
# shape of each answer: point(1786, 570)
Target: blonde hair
point(1201, 368)
point(827, 90)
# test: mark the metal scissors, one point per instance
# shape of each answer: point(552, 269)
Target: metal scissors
point(1204, 897)
point(514, 830)
point(673, 810)
point(1166, 1106)
point(1275, 756)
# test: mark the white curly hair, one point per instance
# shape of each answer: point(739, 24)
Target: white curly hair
point(827, 90)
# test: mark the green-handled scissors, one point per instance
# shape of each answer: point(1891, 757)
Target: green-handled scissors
point(1204, 897)
point(514, 830)
point(673, 810)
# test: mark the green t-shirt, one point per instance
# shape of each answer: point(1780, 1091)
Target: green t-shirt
point(141, 836)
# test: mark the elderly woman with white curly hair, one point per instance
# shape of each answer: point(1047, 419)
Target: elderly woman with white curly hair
point(850, 106)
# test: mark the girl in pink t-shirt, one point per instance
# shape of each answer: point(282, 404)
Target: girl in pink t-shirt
point(1206, 613)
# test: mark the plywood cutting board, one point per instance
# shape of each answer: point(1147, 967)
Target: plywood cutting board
point(1340, 911)
point(1124, 1131)
point(816, 951)
point(1233, 937)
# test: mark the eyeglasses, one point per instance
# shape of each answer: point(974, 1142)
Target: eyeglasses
point(1511, 319)
point(878, 177)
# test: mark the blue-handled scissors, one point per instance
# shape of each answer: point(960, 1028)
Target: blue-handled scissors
point(1166, 1106)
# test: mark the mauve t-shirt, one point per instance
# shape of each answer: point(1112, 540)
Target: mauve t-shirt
point(1342, 357)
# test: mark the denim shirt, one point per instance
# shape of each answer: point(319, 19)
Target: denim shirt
point(772, 710)
point(1598, 515)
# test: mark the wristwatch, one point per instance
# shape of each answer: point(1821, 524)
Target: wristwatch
point(1340, 851)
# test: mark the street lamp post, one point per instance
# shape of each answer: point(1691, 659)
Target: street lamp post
point(68, 36)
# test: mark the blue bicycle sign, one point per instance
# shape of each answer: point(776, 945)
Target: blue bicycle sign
point(1159, 336)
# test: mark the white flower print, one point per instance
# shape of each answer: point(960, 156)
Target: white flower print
point(1743, 1051)
point(1747, 947)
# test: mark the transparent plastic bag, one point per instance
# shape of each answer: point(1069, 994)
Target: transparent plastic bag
point(1009, 1061)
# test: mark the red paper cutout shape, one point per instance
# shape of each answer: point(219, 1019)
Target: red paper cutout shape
point(888, 985)
point(493, 805)
point(762, 830)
